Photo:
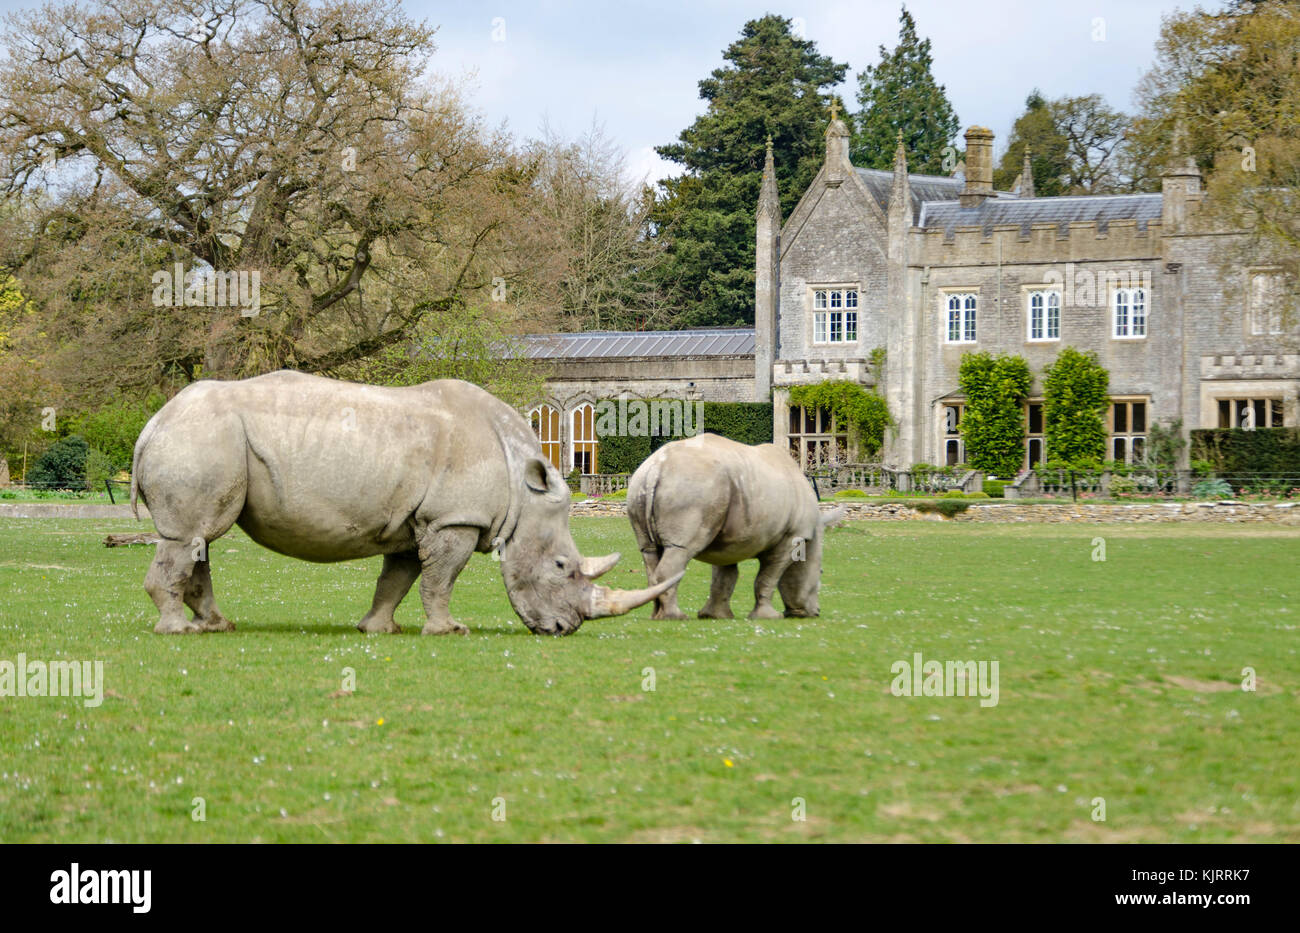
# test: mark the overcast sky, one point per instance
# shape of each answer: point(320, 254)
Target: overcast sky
point(634, 66)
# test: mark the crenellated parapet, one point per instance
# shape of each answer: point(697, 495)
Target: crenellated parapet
point(1075, 241)
point(808, 372)
point(1251, 366)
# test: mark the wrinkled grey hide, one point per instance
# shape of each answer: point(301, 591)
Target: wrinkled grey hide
point(325, 471)
point(714, 500)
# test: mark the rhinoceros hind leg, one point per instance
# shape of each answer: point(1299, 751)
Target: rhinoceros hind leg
point(443, 555)
point(770, 568)
point(395, 580)
point(167, 583)
point(720, 590)
point(199, 597)
point(672, 561)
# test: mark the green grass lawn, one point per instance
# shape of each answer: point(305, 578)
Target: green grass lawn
point(1118, 679)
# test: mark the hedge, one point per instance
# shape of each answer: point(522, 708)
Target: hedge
point(745, 422)
point(1233, 450)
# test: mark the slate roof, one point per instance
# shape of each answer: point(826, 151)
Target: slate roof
point(924, 187)
point(1100, 209)
point(705, 342)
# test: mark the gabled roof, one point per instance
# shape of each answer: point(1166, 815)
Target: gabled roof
point(1100, 209)
point(880, 182)
point(705, 342)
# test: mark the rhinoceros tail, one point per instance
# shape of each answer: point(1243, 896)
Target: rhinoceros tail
point(135, 483)
point(648, 498)
point(140, 443)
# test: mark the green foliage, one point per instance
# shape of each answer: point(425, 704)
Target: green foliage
point(1075, 397)
point(99, 467)
point(743, 422)
point(993, 425)
point(1048, 148)
point(1074, 146)
point(862, 410)
point(113, 429)
point(62, 466)
point(1212, 489)
point(900, 94)
point(1165, 444)
point(466, 343)
point(774, 83)
point(851, 494)
point(1232, 450)
point(995, 488)
point(945, 507)
point(621, 453)
point(619, 495)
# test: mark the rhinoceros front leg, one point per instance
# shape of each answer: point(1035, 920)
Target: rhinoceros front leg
point(443, 555)
point(771, 566)
point(400, 571)
point(720, 590)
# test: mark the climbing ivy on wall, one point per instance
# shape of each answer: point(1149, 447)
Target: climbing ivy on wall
point(993, 424)
point(863, 410)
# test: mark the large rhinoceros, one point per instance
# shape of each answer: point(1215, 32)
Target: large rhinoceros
point(712, 499)
point(325, 471)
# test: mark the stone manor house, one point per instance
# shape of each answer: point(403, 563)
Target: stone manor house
point(888, 278)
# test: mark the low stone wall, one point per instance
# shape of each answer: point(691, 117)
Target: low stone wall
point(60, 510)
point(1285, 513)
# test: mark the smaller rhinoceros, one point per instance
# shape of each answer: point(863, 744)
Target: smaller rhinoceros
point(712, 499)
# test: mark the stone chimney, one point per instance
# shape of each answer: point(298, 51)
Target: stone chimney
point(1180, 184)
point(979, 166)
point(767, 274)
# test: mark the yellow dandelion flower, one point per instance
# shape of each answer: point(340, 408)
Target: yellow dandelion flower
point(728, 762)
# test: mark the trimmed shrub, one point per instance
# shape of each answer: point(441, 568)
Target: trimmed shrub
point(995, 487)
point(993, 425)
point(851, 494)
point(1075, 396)
point(63, 466)
point(743, 422)
point(1233, 450)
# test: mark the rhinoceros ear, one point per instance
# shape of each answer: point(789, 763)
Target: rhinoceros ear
point(535, 476)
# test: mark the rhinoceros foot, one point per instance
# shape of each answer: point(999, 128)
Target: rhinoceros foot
point(710, 613)
point(446, 627)
point(764, 612)
point(379, 626)
point(219, 624)
point(675, 615)
point(176, 625)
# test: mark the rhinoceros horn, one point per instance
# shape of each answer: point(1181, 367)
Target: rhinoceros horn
point(602, 601)
point(593, 567)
